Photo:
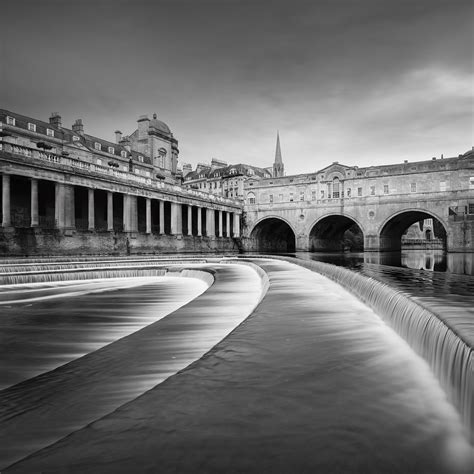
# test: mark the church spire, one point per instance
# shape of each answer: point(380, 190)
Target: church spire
point(278, 168)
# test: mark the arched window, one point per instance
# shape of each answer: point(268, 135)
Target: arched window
point(251, 198)
point(335, 188)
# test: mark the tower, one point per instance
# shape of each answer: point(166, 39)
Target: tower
point(278, 167)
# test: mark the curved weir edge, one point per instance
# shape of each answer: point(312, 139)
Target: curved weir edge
point(31, 401)
point(449, 356)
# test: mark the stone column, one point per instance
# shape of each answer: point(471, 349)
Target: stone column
point(110, 211)
point(91, 213)
point(227, 224)
point(190, 220)
point(176, 219)
point(236, 225)
point(162, 217)
point(210, 227)
point(59, 210)
point(69, 207)
point(148, 215)
point(6, 219)
point(220, 224)
point(199, 222)
point(34, 203)
point(133, 213)
point(126, 213)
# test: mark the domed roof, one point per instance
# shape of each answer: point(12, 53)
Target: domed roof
point(159, 125)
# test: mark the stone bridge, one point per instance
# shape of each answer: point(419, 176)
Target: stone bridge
point(312, 212)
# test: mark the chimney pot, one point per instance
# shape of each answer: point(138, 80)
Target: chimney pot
point(118, 136)
point(55, 119)
point(78, 127)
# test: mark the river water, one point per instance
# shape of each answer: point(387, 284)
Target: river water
point(312, 381)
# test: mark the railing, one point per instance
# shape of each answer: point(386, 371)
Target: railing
point(50, 157)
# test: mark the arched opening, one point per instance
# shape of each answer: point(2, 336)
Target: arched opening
point(335, 234)
point(412, 230)
point(273, 235)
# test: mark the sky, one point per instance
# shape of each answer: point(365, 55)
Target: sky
point(361, 82)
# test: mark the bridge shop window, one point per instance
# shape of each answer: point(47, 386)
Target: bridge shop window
point(413, 187)
point(322, 193)
point(335, 188)
point(251, 198)
point(291, 197)
point(313, 195)
point(31, 127)
point(301, 195)
point(349, 192)
point(372, 190)
point(271, 197)
point(281, 197)
point(359, 191)
point(385, 188)
point(442, 185)
point(50, 132)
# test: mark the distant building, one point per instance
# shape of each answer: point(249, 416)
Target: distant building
point(230, 180)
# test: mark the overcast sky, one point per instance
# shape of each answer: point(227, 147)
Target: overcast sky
point(362, 82)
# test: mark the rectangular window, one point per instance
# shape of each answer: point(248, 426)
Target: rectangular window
point(372, 190)
point(97, 146)
point(322, 194)
point(385, 188)
point(442, 185)
point(313, 195)
point(50, 132)
point(99, 162)
point(349, 192)
point(111, 150)
point(271, 197)
point(470, 208)
point(359, 191)
point(291, 197)
point(471, 183)
point(31, 127)
point(10, 120)
point(281, 197)
point(413, 187)
point(301, 195)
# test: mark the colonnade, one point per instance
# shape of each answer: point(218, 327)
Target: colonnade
point(65, 212)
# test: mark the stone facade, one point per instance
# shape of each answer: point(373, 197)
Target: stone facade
point(383, 201)
point(66, 192)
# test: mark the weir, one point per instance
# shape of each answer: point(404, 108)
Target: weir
point(448, 351)
point(444, 343)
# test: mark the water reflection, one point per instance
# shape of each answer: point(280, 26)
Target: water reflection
point(429, 260)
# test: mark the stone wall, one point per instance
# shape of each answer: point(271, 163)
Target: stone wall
point(33, 241)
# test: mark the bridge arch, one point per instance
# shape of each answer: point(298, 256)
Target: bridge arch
point(336, 232)
point(394, 227)
point(273, 234)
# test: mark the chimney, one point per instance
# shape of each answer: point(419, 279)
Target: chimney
point(78, 127)
point(143, 125)
point(55, 120)
point(125, 142)
point(118, 136)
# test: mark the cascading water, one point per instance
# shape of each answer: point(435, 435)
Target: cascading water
point(449, 355)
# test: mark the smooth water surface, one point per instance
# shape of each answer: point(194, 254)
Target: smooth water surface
point(45, 325)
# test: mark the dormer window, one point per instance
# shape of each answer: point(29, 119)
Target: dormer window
point(111, 150)
point(10, 120)
point(50, 132)
point(97, 146)
point(123, 154)
point(31, 127)
point(75, 138)
point(140, 158)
